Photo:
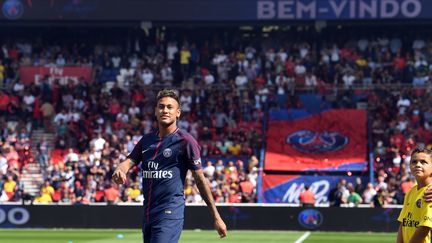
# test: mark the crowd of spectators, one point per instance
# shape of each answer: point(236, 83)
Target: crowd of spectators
point(226, 86)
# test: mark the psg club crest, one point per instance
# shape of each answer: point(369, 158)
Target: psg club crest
point(419, 203)
point(13, 9)
point(167, 153)
point(313, 142)
point(310, 218)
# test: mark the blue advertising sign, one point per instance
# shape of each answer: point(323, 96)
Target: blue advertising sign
point(215, 10)
point(287, 188)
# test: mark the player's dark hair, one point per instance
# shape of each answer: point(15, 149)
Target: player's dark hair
point(172, 93)
point(421, 150)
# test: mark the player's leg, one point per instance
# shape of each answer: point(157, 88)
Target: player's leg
point(166, 230)
point(147, 233)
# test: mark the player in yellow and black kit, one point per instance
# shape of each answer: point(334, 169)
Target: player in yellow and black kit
point(416, 215)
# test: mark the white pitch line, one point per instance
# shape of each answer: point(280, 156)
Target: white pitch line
point(303, 237)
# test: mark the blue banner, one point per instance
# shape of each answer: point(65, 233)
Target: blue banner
point(287, 188)
point(215, 10)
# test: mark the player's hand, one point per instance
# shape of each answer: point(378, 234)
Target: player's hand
point(220, 227)
point(119, 177)
point(428, 194)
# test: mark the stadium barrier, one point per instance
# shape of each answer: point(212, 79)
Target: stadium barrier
point(236, 216)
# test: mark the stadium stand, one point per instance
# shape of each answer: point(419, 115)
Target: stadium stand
point(80, 128)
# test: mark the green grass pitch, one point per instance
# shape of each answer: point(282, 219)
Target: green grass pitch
point(188, 236)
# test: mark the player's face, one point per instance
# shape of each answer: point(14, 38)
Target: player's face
point(421, 165)
point(167, 111)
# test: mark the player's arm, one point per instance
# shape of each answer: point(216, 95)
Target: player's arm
point(206, 194)
point(420, 234)
point(399, 238)
point(119, 175)
point(428, 194)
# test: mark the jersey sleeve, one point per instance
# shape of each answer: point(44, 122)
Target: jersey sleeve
point(426, 215)
point(136, 153)
point(193, 154)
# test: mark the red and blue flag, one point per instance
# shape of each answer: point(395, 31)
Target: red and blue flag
point(333, 140)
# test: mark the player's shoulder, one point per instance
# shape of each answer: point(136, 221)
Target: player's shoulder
point(150, 135)
point(412, 191)
point(183, 134)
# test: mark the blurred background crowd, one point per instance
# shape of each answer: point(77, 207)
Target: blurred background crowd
point(78, 130)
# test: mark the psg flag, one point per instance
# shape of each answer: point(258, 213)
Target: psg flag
point(330, 140)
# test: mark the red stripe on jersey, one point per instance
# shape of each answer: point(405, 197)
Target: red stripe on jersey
point(151, 184)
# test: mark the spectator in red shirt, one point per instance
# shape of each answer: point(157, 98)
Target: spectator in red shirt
point(407, 184)
point(4, 102)
point(114, 109)
point(247, 190)
point(111, 194)
point(307, 197)
point(399, 63)
point(234, 196)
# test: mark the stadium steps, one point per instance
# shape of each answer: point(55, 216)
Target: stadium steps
point(37, 136)
point(32, 175)
point(32, 179)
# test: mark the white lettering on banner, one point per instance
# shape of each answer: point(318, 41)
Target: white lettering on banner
point(405, 8)
point(370, 9)
point(12, 216)
point(352, 12)
point(285, 10)
point(63, 80)
point(35, 74)
point(266, 10)
point(389, 8)
point(2, 216)
point(293, 193)
point(336, 9)
point(311, 8)
point(319, 188)
point(56, 71)
point(16, 216)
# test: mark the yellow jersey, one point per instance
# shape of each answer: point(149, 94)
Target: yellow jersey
point(9, 186)
point(184, 57)
point(49, 190)
point(133, 193)
point(415, 213)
